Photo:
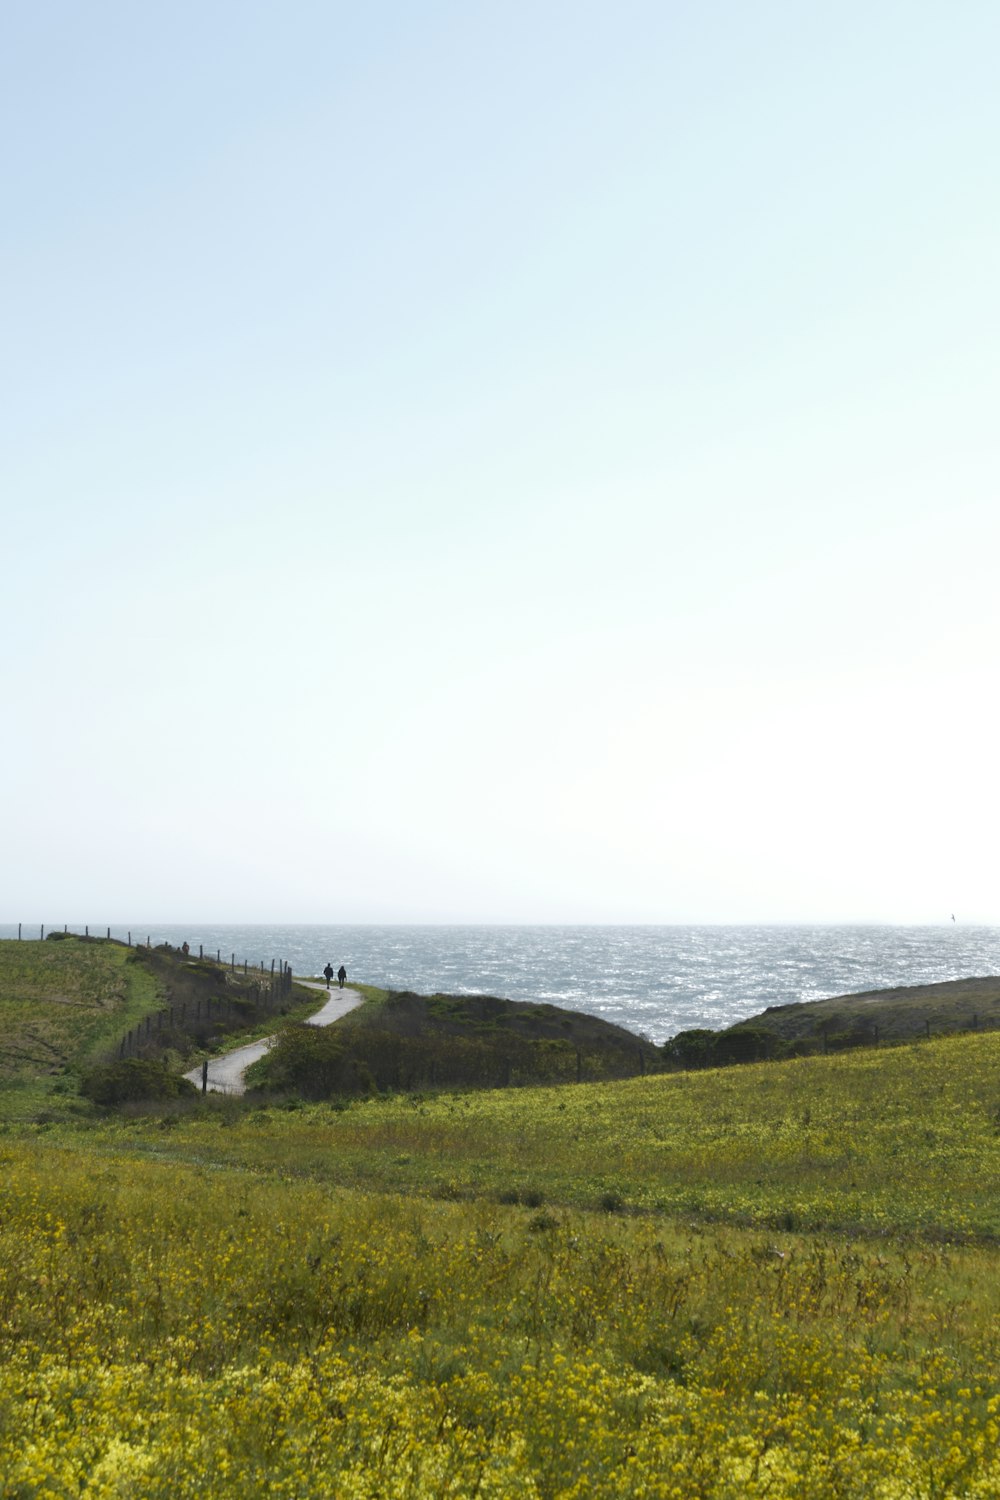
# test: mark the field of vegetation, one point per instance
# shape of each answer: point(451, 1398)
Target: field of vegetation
point(69, 1003)
point(778, 1280)
point(842, 1023)
point(410, 1042)
point(62, 1004)
point(887, 1015)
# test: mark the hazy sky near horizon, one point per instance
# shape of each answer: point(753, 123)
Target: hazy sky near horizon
point(500, 462)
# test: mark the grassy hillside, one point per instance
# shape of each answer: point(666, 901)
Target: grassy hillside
point(903, 1140)
point(870, 1019)
point(890, 1015)
point(61, 1004)
point(67, 1002)
point(776, 1280)
point(407, 1041)
point(772, 1281)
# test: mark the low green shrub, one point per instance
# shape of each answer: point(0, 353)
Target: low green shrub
point(133, 1078)
point(311, 1060)
point(702, 1048)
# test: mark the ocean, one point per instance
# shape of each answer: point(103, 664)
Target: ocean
point(654, 980)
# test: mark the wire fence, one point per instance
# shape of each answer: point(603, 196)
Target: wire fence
point(204, 991)
point(197, 1016)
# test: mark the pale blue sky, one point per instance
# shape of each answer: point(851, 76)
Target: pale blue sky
point(499, 462)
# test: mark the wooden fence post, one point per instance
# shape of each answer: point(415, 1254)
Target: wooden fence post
point(42, 931)
point(204, 1076)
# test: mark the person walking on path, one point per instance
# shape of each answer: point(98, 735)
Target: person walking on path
point(342, 975)
point(328, 975)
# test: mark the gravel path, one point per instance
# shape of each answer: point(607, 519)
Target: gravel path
point(226, 1073)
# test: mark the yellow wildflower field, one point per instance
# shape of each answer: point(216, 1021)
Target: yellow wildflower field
point(878, 1141)
point(325, 1302)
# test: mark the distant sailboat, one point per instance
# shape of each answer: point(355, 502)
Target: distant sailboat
point(953, 916)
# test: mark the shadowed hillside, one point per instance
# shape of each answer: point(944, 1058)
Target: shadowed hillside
point(411, 1041)
point(896, 1014)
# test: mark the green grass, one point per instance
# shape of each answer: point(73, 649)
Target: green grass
point(771, 1281)
point(895, 1015)
point(874, 1143)
point(300, 1003)
point(370, 1007)
point(411, 1042)
point(63, 1005)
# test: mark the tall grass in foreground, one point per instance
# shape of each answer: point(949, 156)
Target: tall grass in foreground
point(172, 1331)
point(223, 1326)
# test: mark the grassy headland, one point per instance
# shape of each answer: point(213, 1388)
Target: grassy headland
point(63, 1005)
point(67, 1003)
point(407, 1041)
point(871, 1018)
point(61, 1002)
point(892, 1014)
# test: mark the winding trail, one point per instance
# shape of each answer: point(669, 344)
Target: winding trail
point(226, 1073)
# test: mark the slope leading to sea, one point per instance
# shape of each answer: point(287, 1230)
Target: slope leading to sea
point(654, 980)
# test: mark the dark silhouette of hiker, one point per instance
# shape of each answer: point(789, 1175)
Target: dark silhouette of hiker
point(342, 975)
point(328, 974)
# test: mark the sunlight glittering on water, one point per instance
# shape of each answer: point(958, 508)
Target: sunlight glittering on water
point(654, 980)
